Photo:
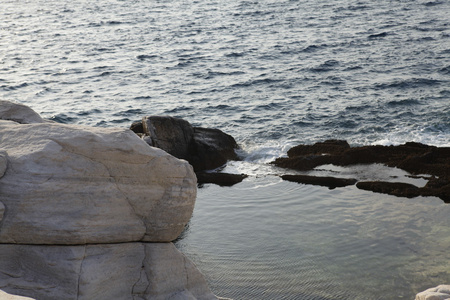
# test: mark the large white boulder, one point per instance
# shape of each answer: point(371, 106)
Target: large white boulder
point(156, 271)
point(80, 208)
point(66, 184)
point(441, 292)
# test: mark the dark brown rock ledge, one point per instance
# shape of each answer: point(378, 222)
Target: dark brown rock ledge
point(415, 158)
point(204, 148)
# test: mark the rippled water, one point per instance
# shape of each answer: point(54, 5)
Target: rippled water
point(272, 74)
point(264, 71)
point(269, 239)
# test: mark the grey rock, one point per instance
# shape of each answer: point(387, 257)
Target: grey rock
point(18, 113)
point(156, 271)
point(77, 185)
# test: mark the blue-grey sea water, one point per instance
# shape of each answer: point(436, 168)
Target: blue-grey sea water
point(272, 73)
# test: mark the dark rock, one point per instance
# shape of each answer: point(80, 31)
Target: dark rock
point(203, 148)
point(222, 179)
point(173, 135)
point(327, 147)
point(303, 163)
point(212, 148)
point(391, 188)
point(137, 127)
point(331, 182)
point(415, 158)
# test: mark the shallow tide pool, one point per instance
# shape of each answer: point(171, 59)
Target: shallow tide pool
point(269, 239)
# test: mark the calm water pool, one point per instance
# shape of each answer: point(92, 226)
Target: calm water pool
point(269, 239)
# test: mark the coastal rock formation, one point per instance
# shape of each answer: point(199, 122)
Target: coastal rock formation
point(80, 208)
point(415, 158)
point(156, 271)
point(441, 292)
point(203, 148)
point(117, 188)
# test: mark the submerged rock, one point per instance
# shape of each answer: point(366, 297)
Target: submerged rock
point(203, 148)
point(441, 292)
point(156, 271)
point(414, 158)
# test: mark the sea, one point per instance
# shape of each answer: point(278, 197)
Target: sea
point(273, 74)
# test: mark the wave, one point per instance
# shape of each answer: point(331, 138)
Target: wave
point(256, 82)
point(406, 102)
point(408, 83)
point(378, 35)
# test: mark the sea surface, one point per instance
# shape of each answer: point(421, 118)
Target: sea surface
point(273, 74)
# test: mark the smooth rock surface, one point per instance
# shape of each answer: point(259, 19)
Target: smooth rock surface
point(441, 292)
point(18, 113)
point(156, 271)
point(76, 185)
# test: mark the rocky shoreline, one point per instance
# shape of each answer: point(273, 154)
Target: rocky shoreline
point(213, 148)
point(91, 213)
point(429, 162)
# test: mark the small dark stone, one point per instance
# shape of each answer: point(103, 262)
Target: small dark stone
point(331, 182)
point(222, 179)
point(137, 127)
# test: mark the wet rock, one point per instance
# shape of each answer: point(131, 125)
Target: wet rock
point(212, 148)
point(390, 188)
point(330, 182)
point(222, 179)
point(415, 158)
point(203, 148)
point(320, 148)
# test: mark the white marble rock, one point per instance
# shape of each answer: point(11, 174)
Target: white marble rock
point(76, 185)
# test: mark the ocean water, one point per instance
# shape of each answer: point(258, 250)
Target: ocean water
point(272, 73)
